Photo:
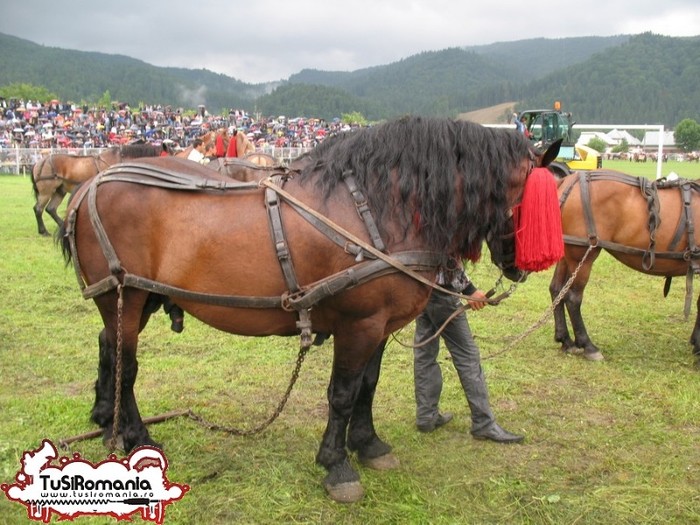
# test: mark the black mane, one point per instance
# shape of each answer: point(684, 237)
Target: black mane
point(432, 157)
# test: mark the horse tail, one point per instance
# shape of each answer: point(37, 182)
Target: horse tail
point(62, 239)
point(36, 173)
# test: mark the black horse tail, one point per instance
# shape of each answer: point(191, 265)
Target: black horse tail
point(61, 236)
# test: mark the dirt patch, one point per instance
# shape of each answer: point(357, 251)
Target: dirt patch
point(492, 115)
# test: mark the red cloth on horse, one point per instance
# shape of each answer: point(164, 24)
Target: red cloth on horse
point(220, 146)
point(539, 241)
point(232, 151)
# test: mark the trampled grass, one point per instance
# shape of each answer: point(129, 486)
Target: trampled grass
point(610, 442)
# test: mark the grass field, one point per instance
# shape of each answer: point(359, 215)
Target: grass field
point(615, 442)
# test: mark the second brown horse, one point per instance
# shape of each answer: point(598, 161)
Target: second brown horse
point(646, 225)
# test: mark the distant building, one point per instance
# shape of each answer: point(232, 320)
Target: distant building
point(612, 138)
point(586, 137)
point(650, 142)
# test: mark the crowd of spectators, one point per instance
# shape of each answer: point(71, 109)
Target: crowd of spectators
point(54, 124)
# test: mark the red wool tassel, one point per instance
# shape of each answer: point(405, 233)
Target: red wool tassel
point(539, 241)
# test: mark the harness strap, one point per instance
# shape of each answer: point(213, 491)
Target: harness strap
point(115, 265)
point(363, 210)
point(587, 212)
point(617, 247)
point(650, 194)
point(692, 247)
point(274, 214)
point(306, 297)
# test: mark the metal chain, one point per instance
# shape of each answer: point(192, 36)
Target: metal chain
point(507, 293)
point(550, 311)
point(118, 371)
point(463, 308)
point(256, 430)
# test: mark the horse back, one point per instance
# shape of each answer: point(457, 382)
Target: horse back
point(618, 208)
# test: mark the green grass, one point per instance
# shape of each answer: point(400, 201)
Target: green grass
point(615, 442)
point(686, 170)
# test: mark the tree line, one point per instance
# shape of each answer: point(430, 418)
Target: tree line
point(646, 79)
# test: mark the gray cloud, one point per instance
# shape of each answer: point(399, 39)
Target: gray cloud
point(267, 40)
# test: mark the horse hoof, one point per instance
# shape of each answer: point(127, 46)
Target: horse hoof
point(118, 444)
point(594, 356)
point(348, 492)
point(385, 462)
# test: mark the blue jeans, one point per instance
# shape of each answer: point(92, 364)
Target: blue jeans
point(465, 356)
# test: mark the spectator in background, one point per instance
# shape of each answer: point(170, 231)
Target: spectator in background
point(197, 153)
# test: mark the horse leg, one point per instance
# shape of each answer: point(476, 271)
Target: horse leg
point(39, 206)
point(695, 336)
point(132, 431)
point(362, 437)
point(53, 205)
point(561, 330)
point(351, 355)
point(574, 299)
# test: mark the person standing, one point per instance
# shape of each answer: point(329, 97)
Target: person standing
point(197, 153)
point(465, 356)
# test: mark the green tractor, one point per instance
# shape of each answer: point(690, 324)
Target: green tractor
point(544, 126)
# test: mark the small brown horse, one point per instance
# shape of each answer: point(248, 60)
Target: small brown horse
point(647, 226)
point(348, 246)
point(58, 174)
point(242, 169)
point(262, 159)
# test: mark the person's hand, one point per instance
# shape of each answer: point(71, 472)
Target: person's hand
point(478, 301)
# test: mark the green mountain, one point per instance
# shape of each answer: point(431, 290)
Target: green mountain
point(644, 78)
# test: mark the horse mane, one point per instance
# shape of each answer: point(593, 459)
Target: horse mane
point(451, 177)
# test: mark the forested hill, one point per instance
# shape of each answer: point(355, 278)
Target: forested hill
point(650, 79)
point(643, 79)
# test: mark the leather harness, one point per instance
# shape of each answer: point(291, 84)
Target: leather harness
point(370, 261)
point(649, 190)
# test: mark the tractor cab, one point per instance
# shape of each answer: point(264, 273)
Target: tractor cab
point(548, 125)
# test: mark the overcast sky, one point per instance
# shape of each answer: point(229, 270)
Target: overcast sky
point(267, 40)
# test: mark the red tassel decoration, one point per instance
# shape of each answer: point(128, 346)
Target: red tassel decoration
point(539, 241)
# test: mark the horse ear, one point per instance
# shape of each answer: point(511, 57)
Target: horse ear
point(551, 153)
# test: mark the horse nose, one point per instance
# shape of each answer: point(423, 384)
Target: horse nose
point(515, 274)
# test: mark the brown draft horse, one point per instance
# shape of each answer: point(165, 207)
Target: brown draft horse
point(58, 174)
point(328, 250)
point(617, 212)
